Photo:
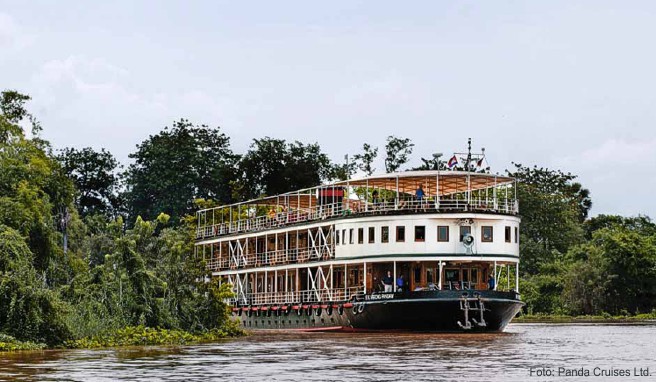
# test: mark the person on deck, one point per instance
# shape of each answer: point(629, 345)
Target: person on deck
point(419, 194)
point(400, 283)
point(491, 283)
point(374, 199)
point(388, 281)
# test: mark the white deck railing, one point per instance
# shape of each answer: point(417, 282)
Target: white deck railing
point(271, 258)
point(299, 297)
point(359, 208)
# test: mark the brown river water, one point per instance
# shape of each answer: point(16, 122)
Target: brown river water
point(524, 352)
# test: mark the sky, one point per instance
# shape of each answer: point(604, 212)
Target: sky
point(561, 84)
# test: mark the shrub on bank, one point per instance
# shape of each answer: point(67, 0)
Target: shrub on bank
point(9, 343)
point(145, 336)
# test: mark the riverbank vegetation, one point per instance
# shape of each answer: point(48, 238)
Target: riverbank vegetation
point(96, 254)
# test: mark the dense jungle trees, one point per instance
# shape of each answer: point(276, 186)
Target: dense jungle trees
point(128, 253)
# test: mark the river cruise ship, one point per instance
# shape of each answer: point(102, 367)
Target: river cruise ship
point(411, 251)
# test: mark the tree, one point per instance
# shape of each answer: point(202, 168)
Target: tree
point(365, 160)
point(28, 310)
point(273, 166)
point(550, 208)
point(177, 166)
point(614, 272)
point(397, 150)
point(95, 178)
point(33, 187)
point(433, 163)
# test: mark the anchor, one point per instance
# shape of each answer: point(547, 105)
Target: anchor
point(464, 306)
point(481, 308)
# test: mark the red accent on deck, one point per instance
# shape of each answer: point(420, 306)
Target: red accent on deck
point(348, 305)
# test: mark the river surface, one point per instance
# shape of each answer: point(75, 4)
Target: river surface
point(524, 352)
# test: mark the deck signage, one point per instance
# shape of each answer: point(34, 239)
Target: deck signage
point(384, 296)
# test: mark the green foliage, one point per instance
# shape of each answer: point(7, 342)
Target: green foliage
point(550, 208)
point(398, 151)
point(366, 159)
point(95, 178)
point(614, 271)
point(9, 343)
point(272, 166)
point(177, 166)
point(28, 310)
point(145, 336)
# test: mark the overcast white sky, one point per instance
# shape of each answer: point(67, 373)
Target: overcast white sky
point(564, 84)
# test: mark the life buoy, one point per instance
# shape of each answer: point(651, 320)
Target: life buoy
point(317, 311)
point(299, 311)
point(361, 308)
point(340, 310)
point(329, 311)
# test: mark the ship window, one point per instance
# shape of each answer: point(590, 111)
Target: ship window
point(507, 234)
point(451, 275)
point(442, 233)
point(351, 238)
point(516, 235)
point(429, 275)
point(372, 235)
point(343, 236)
point(420, 233)
point(486, 234)
point(474, 275)
point(337, 236)
point(400, 233)
point(417, 275)
point(360, 235)
point(464, 230)
point(384, 234)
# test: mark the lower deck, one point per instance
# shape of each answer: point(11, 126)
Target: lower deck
point(341, 282)
point(402, 311)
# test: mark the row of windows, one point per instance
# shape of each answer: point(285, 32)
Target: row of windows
point(487, 234)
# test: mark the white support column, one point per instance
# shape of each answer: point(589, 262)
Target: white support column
point(395, 276)
point(496, 282)
point(437, 186)
point(441, 264)
point(517, 277)
point(364, 280)
point(331, 277)
point(366, 196)
point(275, 281)
point(396, 199)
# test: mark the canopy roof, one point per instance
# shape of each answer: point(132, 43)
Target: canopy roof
point(450, 182)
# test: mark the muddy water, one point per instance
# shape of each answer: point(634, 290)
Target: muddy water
point(524, 352)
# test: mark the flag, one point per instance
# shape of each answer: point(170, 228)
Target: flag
point(452, 162)
point(479, 163)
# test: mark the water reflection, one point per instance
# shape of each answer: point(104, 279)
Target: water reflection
point(351, 357)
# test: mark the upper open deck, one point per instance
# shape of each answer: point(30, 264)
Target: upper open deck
point(397, 193)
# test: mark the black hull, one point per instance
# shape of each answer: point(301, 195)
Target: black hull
point(431, 311)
